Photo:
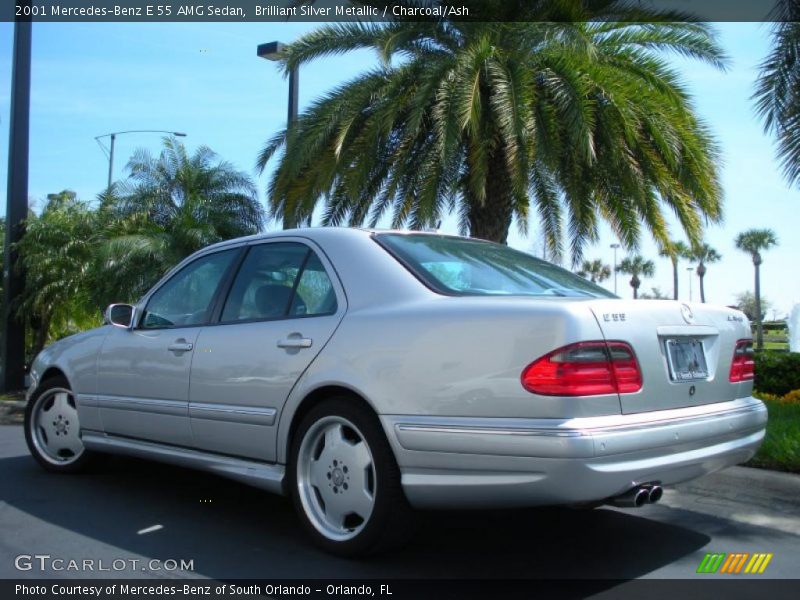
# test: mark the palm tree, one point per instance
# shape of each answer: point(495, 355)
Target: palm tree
point(703, 254)
point(56, 253)
point(754, 242)
point(169, 207)
point(595, 270)
point(578, 119)
point(636, 265)
point(777, 92)
point(675, 251)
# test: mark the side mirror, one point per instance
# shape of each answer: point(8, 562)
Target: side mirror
point(120, 315)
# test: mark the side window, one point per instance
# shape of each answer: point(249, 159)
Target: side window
point(315, 295)
point(278, 280)
point(186, 298)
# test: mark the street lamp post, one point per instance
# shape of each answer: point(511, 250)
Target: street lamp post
point(273, 51)
point(689, 271)
point(615, 246)
point(113, 137)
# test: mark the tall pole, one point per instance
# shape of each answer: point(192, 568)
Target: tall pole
point(111, 159)
point(12, 347)
point(294, 83)
point(294, 87)
point(113, 137)
point(615, 246)
point(274, 51)
point(689, 271)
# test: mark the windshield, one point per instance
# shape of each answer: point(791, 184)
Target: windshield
point(461, 266)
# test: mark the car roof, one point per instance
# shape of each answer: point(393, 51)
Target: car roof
point(319, 233)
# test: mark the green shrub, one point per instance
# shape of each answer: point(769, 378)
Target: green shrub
point(777, 372)
point(781, 447)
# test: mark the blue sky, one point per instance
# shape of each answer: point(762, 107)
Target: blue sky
point(205, 80)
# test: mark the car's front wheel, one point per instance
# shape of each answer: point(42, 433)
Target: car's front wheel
point(344, 480)
point(52, 428)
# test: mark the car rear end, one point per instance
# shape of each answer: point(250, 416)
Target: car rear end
point(611, 400)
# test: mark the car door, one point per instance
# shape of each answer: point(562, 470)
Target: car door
point(283, 306)
point(143, 372)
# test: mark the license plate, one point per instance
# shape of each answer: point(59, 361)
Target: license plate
point(687, 360)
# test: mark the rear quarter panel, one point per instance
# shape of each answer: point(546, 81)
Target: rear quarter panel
point(454, 357)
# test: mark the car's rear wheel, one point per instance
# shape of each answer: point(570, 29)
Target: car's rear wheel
point(344, 480)
point(52, 428)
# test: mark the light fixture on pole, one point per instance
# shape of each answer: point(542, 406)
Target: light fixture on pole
point(273, 51)
point(615, 246)
point(113, 136)
point(689, 271)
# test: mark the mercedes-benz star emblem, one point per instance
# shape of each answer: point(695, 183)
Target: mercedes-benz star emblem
point(687, 314)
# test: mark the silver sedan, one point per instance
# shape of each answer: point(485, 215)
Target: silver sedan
point(365, 373)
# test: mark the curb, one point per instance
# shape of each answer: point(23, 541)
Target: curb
point(13, 406)
point(11, 412)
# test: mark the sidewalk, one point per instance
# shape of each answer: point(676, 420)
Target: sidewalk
point(771, 498)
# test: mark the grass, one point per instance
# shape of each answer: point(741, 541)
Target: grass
point(781, 448)
point(776, 345)
point(12, 396)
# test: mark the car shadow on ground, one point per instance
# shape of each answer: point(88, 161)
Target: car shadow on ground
point(234, 531)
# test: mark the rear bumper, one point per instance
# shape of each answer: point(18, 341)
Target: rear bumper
point(483, 462)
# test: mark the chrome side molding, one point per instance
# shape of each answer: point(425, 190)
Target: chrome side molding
point(267, 476)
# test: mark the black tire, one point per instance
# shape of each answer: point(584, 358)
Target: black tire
point(391, 521)
point(50, 462)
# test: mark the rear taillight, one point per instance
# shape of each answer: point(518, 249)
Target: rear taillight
point(743, 365)
point(584, 369)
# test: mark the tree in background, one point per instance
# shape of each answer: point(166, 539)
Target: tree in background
point(754, 242)
point(168, 208)
point(674, 251)
point(57, 253)
point(746, 302)
point(654, 294)
point(778, 88)
point(704, 254)
point(635, 266)
point(573, 114)
point(595, 270)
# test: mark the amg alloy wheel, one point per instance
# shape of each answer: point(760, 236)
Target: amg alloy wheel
point(52, 428)
point(344, 480)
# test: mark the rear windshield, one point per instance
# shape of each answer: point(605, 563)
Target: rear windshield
point(460, 266)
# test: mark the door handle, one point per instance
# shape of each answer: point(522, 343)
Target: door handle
point(180, 345)
point(295, 340)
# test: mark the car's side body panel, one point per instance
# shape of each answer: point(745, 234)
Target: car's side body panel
point(75, 357)
point(242, 373)
point(142, 387)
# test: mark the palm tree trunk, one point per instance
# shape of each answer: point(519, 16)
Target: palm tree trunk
point(492, 219)
point(40, 337)
point(675, 279)
point(701, 274)
point(635, 283)
point(759, 330)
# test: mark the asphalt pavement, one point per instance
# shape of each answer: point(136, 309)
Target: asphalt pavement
point(131, 510)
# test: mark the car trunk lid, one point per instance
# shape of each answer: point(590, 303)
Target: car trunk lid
point(684, 350)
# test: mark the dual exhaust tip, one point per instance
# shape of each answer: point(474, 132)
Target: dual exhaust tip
point(636, 497)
